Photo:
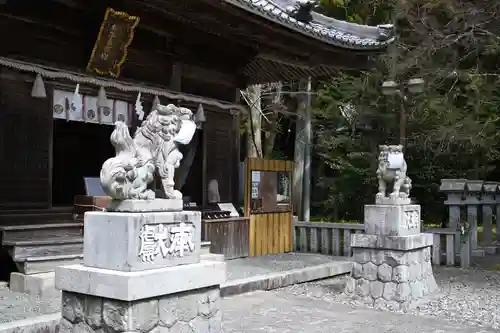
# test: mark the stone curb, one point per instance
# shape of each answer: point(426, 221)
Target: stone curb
point(282, 279)
point(42, 323)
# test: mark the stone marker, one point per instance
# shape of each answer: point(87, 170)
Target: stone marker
point(392, 260)
point(142, 270)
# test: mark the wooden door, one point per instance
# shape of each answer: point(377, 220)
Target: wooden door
point(25, 145)
point(270, 221)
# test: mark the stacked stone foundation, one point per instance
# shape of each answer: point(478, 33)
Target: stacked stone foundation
point(391, 278)
point(191, 311)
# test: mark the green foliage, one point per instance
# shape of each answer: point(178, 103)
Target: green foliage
point(452, 128)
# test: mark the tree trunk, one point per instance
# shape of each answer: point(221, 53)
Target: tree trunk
point(254, 129)
point(270, 136)
point(298, 170)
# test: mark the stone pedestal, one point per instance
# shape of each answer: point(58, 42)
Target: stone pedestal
point(392, 261)
point(137, 241)
point(141, 273)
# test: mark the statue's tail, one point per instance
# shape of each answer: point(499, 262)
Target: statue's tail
point(116, 171)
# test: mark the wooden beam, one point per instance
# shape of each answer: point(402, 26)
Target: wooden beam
point(207, 75)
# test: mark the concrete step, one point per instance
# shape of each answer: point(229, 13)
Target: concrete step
point(19, 250)
point(28, 232)
point(45, 264)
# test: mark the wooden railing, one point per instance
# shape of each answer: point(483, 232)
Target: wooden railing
point(324, 237)
point(334, 239)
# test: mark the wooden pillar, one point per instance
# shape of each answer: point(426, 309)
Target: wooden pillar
point(175, 82)
point(235, 177)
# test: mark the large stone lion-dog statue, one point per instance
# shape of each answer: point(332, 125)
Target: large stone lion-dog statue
point(392, 171)
point(154, 148)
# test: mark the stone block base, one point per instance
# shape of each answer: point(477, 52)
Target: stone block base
point(38, 285)
point(140, 241)
point(391, 278)
point(194, 311)
point(137, 206)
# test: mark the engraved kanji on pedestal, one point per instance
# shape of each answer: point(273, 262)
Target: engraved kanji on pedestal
point(165, 241)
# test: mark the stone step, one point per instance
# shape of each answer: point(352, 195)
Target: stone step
point(33, 265)
point(19, 250)
point(60, 209)
point(34, 218)
point(28, 232)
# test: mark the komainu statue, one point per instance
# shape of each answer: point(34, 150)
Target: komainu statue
point(392, 170)
point(154, 148)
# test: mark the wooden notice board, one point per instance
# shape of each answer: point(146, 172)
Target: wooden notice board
point(268, 204)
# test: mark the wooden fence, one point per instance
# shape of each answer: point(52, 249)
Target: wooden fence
point(335, 239)
point(472, 203)
point(324, 237)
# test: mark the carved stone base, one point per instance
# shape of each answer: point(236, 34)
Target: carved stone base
point(395, 273)
point(136, 206)
point(140, 241)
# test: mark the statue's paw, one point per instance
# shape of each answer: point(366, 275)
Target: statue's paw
point(149, 195)
point(380, 195)
point(403, 195)
point(177, 195)
point(394, 195)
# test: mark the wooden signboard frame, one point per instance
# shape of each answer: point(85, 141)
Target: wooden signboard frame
point(111, 47)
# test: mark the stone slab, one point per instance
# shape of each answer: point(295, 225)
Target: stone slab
point(402, 243)
point(113, 240)
point(392, 201)
point(392, 220)
point(39, 285)
point(277, 280)
point(137, 206)
point(130, 286)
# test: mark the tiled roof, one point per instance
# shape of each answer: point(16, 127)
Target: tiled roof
point(326, 29)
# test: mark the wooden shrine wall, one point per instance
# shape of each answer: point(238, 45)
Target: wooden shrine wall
point(221, 150)
point(25, 145)
point(26, 123)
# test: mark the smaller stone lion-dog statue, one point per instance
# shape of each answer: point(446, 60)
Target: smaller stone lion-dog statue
point(392, 169)
point(153, 148)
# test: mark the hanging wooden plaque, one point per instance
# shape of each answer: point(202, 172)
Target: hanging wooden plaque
point(110, 49)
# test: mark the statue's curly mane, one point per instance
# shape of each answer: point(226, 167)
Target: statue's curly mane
point(121, 139)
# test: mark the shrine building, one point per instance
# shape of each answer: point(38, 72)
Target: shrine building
point(119, 57)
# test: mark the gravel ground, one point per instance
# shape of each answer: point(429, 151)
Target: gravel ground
point(466, 296)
